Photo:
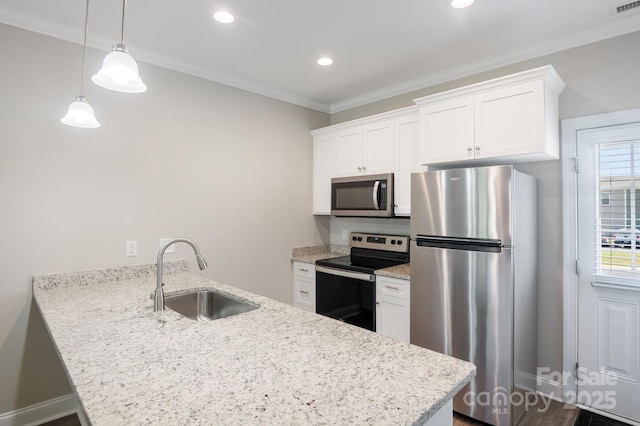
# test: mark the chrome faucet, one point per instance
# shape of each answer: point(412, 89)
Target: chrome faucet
point(158, 295)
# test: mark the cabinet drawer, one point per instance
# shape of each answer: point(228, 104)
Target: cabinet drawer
point(393, 287)
point(305, 293)
point(305, 270)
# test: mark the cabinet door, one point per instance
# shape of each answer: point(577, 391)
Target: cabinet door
point(349, 143)
point(407, 159)
point(304, 293)
point(304, 286)
point(393, 308)
point(510, 121)
point(392, 317)
point(377, 147)
point(324, 168)
point(447, 131)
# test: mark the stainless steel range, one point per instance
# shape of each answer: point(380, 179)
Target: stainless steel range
point(346, 286)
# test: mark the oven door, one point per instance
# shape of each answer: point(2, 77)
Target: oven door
point(346, 296)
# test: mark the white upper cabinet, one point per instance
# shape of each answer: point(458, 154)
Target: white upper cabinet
point(508, 119)
point(365, 149)
point(384, 143)
point(449, 126)
point(378, 147)
point(324, 168)
point(407, 158)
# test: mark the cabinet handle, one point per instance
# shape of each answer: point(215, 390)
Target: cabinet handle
point(469, 149)
point(359, 168)
point(304, 292)
point(391, 287)
point(477, 148)
point(303, 270)
point(364, 167)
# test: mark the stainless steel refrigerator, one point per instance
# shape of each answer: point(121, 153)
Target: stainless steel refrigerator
point(473, 281)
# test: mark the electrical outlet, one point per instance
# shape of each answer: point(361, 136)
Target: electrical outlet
point(132, 248)
point(171, 248)
point(345, 234)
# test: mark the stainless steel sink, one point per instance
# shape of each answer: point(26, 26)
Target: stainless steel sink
point(205, 304)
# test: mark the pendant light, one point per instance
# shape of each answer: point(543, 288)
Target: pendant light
point(80, 113)
point(119, 70)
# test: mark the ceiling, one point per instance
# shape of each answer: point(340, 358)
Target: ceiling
point(381, 48)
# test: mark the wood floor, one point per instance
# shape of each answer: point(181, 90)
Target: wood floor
point(557, 414)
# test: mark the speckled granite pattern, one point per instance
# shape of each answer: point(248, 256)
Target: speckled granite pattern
point(400, 271)
point(274, 365)
point(97, 276)
point(312, 253)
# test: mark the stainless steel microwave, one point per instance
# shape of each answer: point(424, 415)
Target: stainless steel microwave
point(362, 196)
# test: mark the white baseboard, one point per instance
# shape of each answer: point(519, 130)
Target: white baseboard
point(42, 412)
point(549, 388)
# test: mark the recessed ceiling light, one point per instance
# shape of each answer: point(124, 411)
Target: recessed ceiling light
point(223, 17)
point(459, 4)
point(325, 61)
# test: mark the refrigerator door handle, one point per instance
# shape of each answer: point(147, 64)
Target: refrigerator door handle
point(469, 244)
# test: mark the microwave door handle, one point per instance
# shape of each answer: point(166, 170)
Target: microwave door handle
point(376, 205)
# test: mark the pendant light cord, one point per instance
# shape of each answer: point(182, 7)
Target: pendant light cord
point(124, 6)
point(84, 51)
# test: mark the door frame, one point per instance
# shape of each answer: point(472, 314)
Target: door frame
point(570, 267)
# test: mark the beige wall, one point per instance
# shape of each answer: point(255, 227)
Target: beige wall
point(227, 168)
point(600, 78)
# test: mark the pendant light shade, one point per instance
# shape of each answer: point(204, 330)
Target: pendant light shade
point(119, 70)
point(80, 112)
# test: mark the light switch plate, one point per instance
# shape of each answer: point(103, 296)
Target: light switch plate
point(345, 234)
point(132, 248)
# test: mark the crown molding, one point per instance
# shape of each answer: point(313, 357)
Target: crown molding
point(15, 18)
point(615, 28)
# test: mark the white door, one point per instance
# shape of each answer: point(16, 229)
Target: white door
point(608, 374)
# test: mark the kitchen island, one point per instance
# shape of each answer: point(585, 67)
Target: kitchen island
point(274, 365)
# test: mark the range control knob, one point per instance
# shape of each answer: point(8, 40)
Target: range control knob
point(399, 242)
point(393, 242)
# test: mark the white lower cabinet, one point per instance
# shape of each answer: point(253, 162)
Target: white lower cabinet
point(392, 307)
point(304, 286)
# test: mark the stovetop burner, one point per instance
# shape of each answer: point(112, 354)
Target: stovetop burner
point(370, 252)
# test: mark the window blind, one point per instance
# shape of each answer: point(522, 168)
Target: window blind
point(617, 227)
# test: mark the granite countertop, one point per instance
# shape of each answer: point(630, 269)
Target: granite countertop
point(311, 254)
point(400, 271)
point(275, 365)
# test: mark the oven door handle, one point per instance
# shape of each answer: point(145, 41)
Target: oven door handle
point(347, 274)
